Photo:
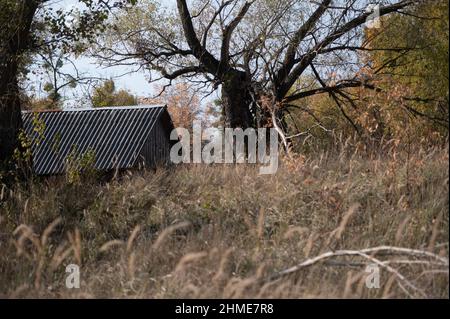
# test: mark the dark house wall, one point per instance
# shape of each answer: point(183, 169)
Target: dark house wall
point(156, 150)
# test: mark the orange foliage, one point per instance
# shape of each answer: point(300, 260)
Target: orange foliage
point(183, 104)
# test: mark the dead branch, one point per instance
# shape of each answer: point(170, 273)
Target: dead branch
point(431, 259)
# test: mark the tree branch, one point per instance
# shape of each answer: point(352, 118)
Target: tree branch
point(301, 33)
point(206, 58)
point(225, 51)
point(307, 58)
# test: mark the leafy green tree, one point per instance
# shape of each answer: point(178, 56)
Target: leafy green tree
point(107, 95)
point(419, 68)
point(14, 42)
point(405, 63)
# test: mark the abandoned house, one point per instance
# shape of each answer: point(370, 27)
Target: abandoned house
point(113, 137)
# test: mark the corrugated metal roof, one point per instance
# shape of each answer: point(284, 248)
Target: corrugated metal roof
point(116, 136)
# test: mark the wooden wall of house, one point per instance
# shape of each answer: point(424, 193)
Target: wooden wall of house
point(156, 150)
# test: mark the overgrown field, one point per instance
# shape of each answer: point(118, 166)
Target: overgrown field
point(226, 232)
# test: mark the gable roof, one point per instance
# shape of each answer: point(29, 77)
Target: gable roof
point(116, 135)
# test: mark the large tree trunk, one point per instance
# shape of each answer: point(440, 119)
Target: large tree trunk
point(11, 49)
point(236, 101)
point(10, 118)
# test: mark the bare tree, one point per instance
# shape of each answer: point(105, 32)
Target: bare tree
point(254, 51)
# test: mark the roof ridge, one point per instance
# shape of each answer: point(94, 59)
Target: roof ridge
point(103, 108)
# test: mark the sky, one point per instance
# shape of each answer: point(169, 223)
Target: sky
point(134, 82)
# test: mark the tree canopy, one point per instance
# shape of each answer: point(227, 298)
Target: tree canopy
point(253, 50)
point(108, 95)
point(421, 68)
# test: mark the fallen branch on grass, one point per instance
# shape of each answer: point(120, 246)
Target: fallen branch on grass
point(369, 253)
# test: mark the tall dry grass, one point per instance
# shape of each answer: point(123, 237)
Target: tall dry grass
point(225, 231)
